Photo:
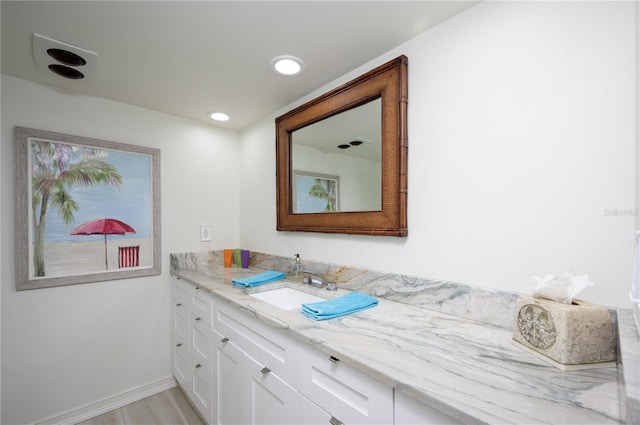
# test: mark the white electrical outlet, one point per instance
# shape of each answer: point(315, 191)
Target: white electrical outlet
point(205, 233)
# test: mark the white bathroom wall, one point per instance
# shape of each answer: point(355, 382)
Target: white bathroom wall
point(71, 346)
point(521, 153)
point(637, 38)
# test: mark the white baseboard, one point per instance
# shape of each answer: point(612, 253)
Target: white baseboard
point(117, 401)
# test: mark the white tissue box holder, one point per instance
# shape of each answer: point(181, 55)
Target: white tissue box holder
point(569, 336)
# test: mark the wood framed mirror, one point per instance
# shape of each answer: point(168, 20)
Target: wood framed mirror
point(341, 158)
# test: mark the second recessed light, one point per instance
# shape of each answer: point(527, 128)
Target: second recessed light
point(287, 65)
point(219, 116)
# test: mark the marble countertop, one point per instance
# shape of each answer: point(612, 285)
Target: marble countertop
point(467, 369)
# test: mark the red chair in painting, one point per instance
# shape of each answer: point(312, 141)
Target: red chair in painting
point(128, 256)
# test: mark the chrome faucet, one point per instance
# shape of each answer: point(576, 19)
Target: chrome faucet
point(313, 279)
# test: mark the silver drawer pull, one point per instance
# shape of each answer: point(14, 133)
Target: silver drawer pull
point(225, 339)
point(335, 421)
point(198, 365)
point(178, 345)
point(265, 370)
point(178, 305)
point(334, 360)
point(197, 318)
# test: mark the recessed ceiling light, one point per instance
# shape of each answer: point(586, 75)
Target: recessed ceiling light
point(219, 116)
point(287, 65)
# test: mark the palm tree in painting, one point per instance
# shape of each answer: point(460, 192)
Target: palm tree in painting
point(56, 168)
point(325, 189)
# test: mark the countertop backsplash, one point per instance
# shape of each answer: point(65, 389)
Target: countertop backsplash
point(494, 307)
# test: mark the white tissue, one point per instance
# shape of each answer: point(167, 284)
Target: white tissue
point(561, 289)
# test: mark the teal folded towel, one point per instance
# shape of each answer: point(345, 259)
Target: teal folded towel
point(346, 304)
point(258, 279)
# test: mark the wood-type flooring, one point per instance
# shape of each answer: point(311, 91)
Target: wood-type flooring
point(166, 408)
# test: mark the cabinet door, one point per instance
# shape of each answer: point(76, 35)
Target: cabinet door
point(181, 365)
point(228, 393)
point(180, 324)
point(408, 411)
point(201, 390)
point(200, 337)
point(310, 413)
point(270, 399)
point(180, 341)
point(349, 395)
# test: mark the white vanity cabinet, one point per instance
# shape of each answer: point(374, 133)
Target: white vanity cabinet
point(193, 345)
point(236, 369)
point(278, 368)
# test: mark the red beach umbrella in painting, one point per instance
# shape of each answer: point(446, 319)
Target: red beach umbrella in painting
point(103, 226)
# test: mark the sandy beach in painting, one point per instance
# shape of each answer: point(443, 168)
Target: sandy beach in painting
point(73, 258)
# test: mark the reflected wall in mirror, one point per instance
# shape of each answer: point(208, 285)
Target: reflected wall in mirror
point(341, 159)
point(347, 145)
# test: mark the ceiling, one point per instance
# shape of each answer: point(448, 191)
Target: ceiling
point(189, 58)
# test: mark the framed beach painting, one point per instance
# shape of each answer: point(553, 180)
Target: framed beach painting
point(87, 210)
point(315, 192)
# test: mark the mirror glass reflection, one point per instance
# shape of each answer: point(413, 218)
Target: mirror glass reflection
point(337, 164)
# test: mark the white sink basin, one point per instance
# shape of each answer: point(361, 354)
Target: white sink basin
point(287, 298)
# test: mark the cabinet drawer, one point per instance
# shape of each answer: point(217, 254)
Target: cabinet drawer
point(196, 300)
point(180, 290)
point(268, 346)
point(344, 392)
point(180, 325)
point(201, 305)
point(273, 401)
point(201, 342)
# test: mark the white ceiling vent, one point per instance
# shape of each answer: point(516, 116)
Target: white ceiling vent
point(63, 59)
